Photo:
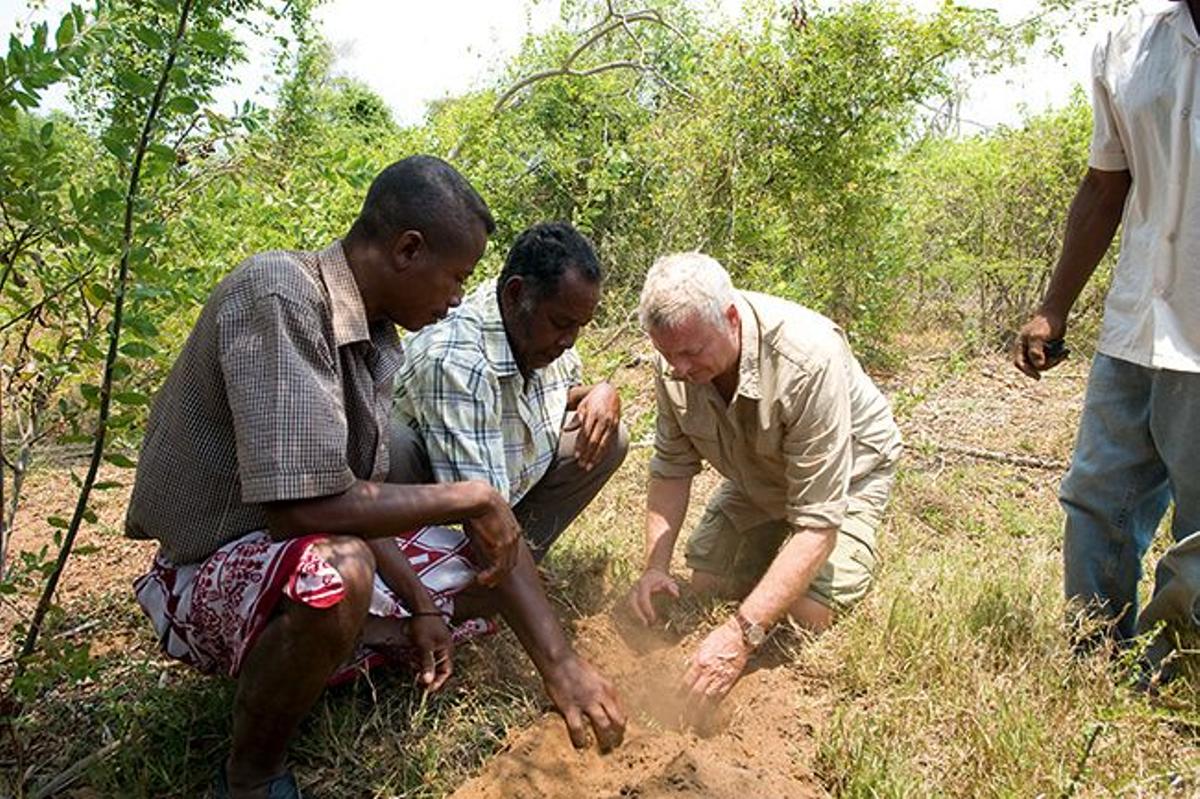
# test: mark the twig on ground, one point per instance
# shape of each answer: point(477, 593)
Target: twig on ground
point(1027, 461)
point(72, 772)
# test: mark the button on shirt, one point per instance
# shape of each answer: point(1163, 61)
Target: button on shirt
point(479, 417)
point(282, 391)
point(1145, 99)
point(804, 428)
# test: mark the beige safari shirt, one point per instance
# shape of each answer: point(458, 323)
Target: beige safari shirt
point(805, 430)
point(1146, 106)
point(282, 391)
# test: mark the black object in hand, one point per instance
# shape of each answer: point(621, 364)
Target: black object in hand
point(1055, 349)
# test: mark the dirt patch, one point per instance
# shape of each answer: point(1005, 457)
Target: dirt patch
point(761, 746)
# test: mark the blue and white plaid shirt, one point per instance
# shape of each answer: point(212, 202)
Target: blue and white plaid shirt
point(460, 388)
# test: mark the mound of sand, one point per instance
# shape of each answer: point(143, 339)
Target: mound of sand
point(760, 748)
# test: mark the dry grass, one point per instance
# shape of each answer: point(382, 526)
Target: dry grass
point(953, 678)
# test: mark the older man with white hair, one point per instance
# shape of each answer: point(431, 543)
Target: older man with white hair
point(769, 393)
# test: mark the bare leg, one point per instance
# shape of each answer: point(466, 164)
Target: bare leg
point(288, 666)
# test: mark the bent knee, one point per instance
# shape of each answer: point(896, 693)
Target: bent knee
point(354, 562)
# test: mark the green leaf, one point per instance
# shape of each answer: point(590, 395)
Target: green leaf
point(57, 522)
point(131, 398)
point(108, 485)
point(149, 37)
point(107, 197)
point(142, 326)
point(137, 349)
point(209, 41)
point(46, 134)
point(134, 83)
point(117, 459)
point(182, 104)
point(66, 30)
point(115, 145)
point(90, 393)
point(98, 293)
point(90, 517)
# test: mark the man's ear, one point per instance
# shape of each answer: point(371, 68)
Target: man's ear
point(733, 317)
point(406, 248)
point(512, 291)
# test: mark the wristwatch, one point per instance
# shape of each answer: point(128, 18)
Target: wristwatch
point(753, 634)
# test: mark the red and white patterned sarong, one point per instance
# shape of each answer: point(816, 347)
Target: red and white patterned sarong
point(209, 614)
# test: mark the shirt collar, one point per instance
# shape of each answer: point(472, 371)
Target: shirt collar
point(1181, 17)
point(495, 339)
point(748, 371)
point(348, 315)
point(346, 309)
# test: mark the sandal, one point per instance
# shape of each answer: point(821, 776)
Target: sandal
point(282, 787)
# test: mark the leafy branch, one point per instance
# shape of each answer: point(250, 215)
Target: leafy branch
point(114, 337)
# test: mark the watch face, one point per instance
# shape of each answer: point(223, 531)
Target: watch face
point(754, 634)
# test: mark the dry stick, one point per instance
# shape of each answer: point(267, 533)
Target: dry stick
point(72, 772)
point(611, 22)
point(1028, 461)
point(114, 338)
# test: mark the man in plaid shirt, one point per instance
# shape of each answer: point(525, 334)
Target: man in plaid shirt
point(285, 559)
point(494, 392)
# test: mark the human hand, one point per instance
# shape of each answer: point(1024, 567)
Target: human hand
point(641, 596)
point(583, 696)
point(1030, 353)
point(714, 669)
point(430, 635)
point(597, 418)
point(497, 535)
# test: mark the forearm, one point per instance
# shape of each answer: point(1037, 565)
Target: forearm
point(789, 575)
point(528, 612)
point(1091, 224)
point(374, 510)
point(666, 507)
point(398, 574)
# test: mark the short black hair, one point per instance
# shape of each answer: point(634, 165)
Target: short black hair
point(422, 193)
point(542, 253)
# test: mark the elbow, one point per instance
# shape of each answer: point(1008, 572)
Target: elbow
point(293, 518)
point(830, 542)
point(1108, 189)
point(284, 520)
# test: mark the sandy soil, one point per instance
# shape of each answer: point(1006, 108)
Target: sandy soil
point(760, 747)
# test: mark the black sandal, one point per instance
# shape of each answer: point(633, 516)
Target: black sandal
point(282, 787)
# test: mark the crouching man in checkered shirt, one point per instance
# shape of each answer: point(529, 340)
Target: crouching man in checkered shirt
point(494, 392)
point(286, 560)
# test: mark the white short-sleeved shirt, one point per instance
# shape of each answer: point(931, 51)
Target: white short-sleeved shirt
point(1146, 103)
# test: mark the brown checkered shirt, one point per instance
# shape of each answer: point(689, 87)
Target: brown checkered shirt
point(282, 391)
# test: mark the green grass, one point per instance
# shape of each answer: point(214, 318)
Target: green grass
point(954, 678)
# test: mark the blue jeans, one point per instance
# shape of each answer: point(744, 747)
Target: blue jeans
point(1138, 449)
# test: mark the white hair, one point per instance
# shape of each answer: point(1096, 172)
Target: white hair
point(681, 285)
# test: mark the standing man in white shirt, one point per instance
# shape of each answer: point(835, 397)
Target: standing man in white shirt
point(1137, 448)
